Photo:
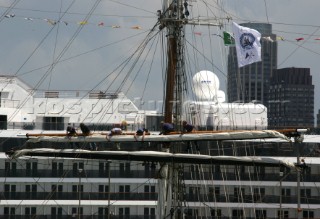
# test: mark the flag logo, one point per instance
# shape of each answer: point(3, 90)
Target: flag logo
point(247, 40)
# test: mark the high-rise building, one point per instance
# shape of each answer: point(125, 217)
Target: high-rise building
point(291, 99)
point(251, 82)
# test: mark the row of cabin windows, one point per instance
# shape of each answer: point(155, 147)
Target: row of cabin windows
point(260, 214)
point(238, 192)
point(123, 167)
point(59, 166)
point(75, 211)
point(76, 188)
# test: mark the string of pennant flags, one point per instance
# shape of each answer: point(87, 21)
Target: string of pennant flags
point(54, 22)
point(229, 39)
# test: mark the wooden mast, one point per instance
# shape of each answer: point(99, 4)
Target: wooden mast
point(171, 77)
point(173, 19)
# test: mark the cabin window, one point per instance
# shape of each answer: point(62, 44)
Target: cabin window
point(30, 211)
point(10, 168)
point(285, 214)
point(124, 191)
point(75, 211)
point(76, 188)
point(308, 214)
point(103, 191)
point(286, 193)
point(31, 168)
point(216, 213)
point(56, 212)
point(3, 122)
point(192, 212)
point(125, 169)
point(261, 214)
point(149, 192)
point(53, 123)
point(77, 167)
point(102, 211)
point(258, 194)
point(57, 168)
point(31, 191)
point(9, 211)
point(237, 213)
point(124, 211)
point(148, 212)
point(305, 193)
point(238, 193)
point(104, 169)
point(10, 191)
point(214, 194)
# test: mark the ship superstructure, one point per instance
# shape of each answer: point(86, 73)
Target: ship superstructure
point(37, 187)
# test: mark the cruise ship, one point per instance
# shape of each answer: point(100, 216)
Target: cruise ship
point(60, 187)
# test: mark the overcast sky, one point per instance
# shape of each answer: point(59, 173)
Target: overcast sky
point(81, 55)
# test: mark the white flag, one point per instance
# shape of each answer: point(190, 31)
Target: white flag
point(247, 45)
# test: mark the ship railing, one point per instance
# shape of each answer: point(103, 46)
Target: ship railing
point(229, 198)
point(152, 173)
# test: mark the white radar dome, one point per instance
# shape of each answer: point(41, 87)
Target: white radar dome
point(206, 85)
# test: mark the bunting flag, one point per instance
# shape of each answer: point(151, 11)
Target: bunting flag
point(280, 38)
point(83, 22)
point(9, 15)
point(228, 39)
point(248, 45)
point(198, 33)
point(268, 38)
point(136, 27)
point(299, 39)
